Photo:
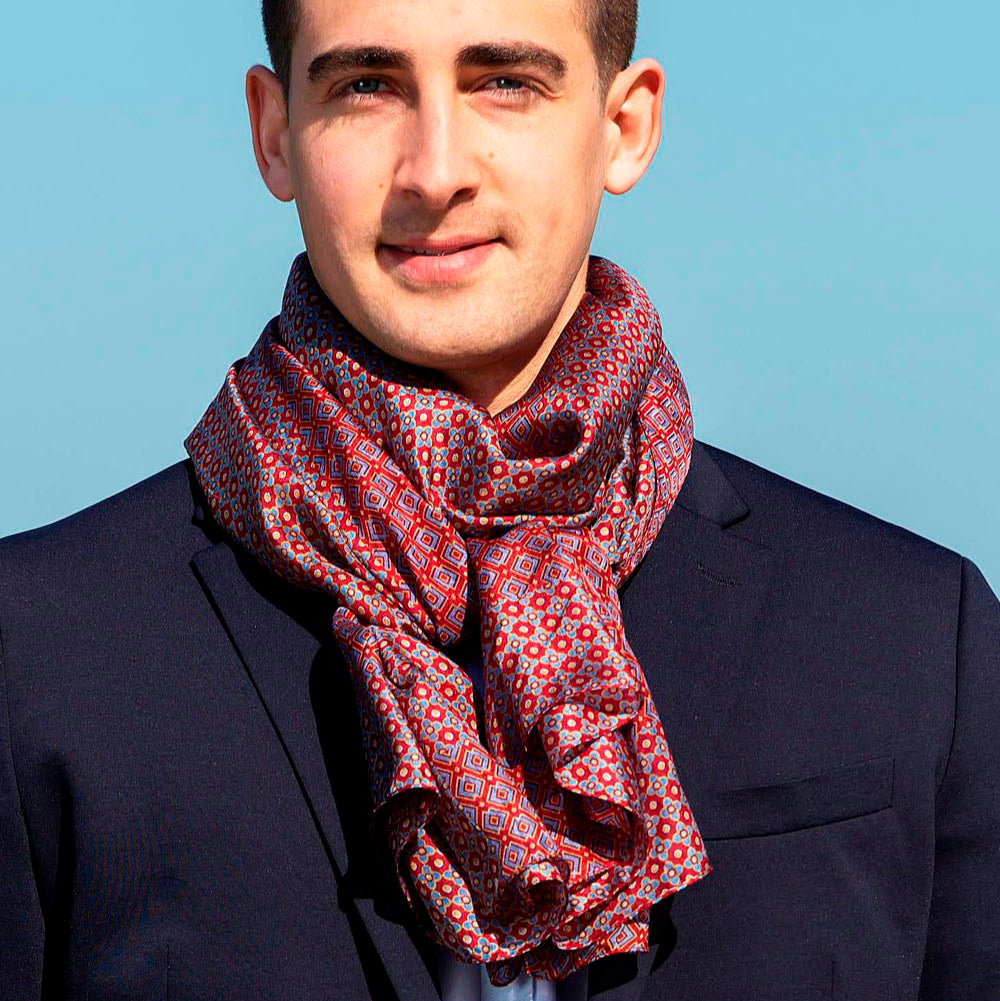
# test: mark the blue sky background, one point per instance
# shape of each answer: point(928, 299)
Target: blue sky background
point(820, 233)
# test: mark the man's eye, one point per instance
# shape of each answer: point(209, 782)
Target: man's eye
point(359, 91)
point(512, 87)
point(364, 86)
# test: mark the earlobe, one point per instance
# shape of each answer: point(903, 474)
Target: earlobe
point(634, 109)
point(269, 129)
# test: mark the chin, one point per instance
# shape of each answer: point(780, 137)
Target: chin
point(441, 341)
point(441, 357)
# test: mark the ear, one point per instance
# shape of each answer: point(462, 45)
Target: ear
point(269, 127)
point(633, 111)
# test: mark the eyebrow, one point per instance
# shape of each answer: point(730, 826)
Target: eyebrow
point(495, 55)
point(343, 58)
point(499, 54)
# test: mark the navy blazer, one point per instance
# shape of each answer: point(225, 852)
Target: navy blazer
point(184, 804)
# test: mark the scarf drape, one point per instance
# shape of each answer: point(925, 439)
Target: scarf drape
point(540, 842)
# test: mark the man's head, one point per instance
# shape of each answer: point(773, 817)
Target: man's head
point(448, 159)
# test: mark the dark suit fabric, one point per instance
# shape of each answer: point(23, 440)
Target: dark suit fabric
point(184, 804)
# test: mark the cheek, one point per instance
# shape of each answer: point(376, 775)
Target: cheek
point(341, 188)
point(553, 186)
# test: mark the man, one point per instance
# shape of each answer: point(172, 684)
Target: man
point(371, 696)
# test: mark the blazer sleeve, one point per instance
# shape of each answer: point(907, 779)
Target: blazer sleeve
point(962, 958)
point(22, 930)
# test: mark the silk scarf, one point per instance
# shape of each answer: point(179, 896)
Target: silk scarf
point(534, 837)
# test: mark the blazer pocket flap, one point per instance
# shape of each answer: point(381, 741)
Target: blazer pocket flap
point(840, 794)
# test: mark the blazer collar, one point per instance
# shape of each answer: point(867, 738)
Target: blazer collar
point(707, 492)
point(282, 635)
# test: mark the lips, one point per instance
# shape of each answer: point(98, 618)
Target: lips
point(426, 262)
point(431, 253)
point(439, 248)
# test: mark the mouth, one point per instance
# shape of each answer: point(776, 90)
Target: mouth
point(427, 262)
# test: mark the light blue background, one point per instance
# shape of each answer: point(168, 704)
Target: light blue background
point(820, 233)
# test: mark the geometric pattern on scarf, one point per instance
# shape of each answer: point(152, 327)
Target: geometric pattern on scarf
point(536, 838)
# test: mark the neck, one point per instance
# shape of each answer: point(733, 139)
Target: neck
point(498, 384)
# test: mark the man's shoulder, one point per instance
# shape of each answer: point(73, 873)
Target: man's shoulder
point(148, 523)
point(791, 517)
point(158, 513)
point(152, 524)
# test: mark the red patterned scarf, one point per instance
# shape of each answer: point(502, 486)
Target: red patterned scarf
point(540, 844)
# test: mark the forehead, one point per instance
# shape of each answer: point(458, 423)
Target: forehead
point(440, 27)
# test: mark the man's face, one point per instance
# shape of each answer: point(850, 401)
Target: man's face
point(470, 130)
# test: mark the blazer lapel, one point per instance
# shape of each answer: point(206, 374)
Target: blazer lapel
point(690, 611)
point(282, 635)
point(278, 652)
point(692, 615)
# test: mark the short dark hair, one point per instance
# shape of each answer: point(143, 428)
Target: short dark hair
point(611, 25)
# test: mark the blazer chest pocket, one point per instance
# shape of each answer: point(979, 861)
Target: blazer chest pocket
point(824, 798)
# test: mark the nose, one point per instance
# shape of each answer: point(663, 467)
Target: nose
point(438, 165)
